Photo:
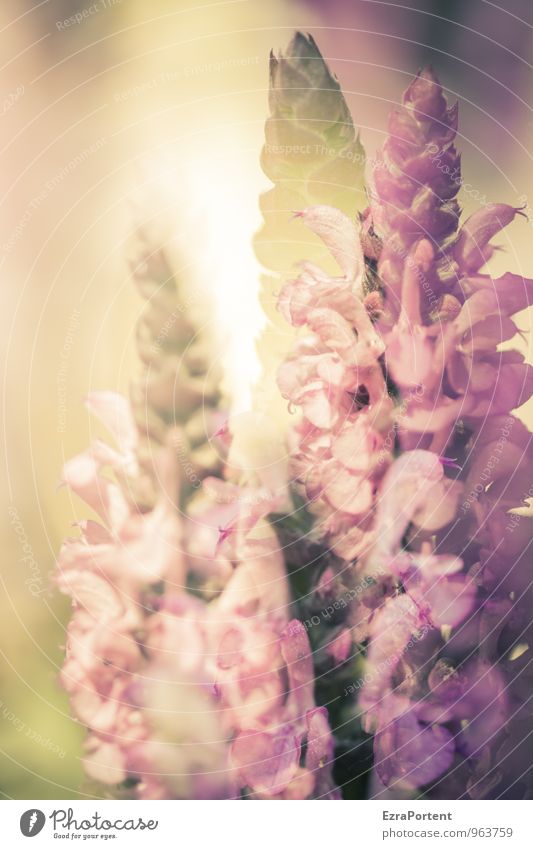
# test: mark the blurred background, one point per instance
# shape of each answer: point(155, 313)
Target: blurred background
point(117, 110)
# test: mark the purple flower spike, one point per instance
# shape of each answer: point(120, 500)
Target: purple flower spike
point(416, 179)
point(371, 458)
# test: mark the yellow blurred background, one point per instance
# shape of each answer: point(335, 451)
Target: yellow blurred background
point(118, 110)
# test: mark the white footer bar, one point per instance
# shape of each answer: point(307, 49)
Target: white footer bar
point(279, 825)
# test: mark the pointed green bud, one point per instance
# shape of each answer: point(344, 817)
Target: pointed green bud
point(311, 154)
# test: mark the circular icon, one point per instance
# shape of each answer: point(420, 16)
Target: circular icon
point(32, 822)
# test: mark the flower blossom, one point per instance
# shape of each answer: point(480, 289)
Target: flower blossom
point(417, 356)
point(190, 658)
point(189, 699)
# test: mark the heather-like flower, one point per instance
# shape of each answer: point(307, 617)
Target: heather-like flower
point(442, 321)
point(313, 156)
point(109, 572)
point(263, 672)
point(388, 466)
point(186, 698)
point(339, 448)
point(176, 389)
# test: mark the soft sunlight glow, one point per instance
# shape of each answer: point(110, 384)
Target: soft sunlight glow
point(226, 201)
point(212, 234)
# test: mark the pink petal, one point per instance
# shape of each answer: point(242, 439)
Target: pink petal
point(349, 493)
point(319, 740)
point(339, 235)
point(409, 754)
point(114, 412)
point(266, 762)
point(478, 230)
point(296, 651)
point(105, 762)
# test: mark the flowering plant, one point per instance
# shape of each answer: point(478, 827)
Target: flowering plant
point(361, 628)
